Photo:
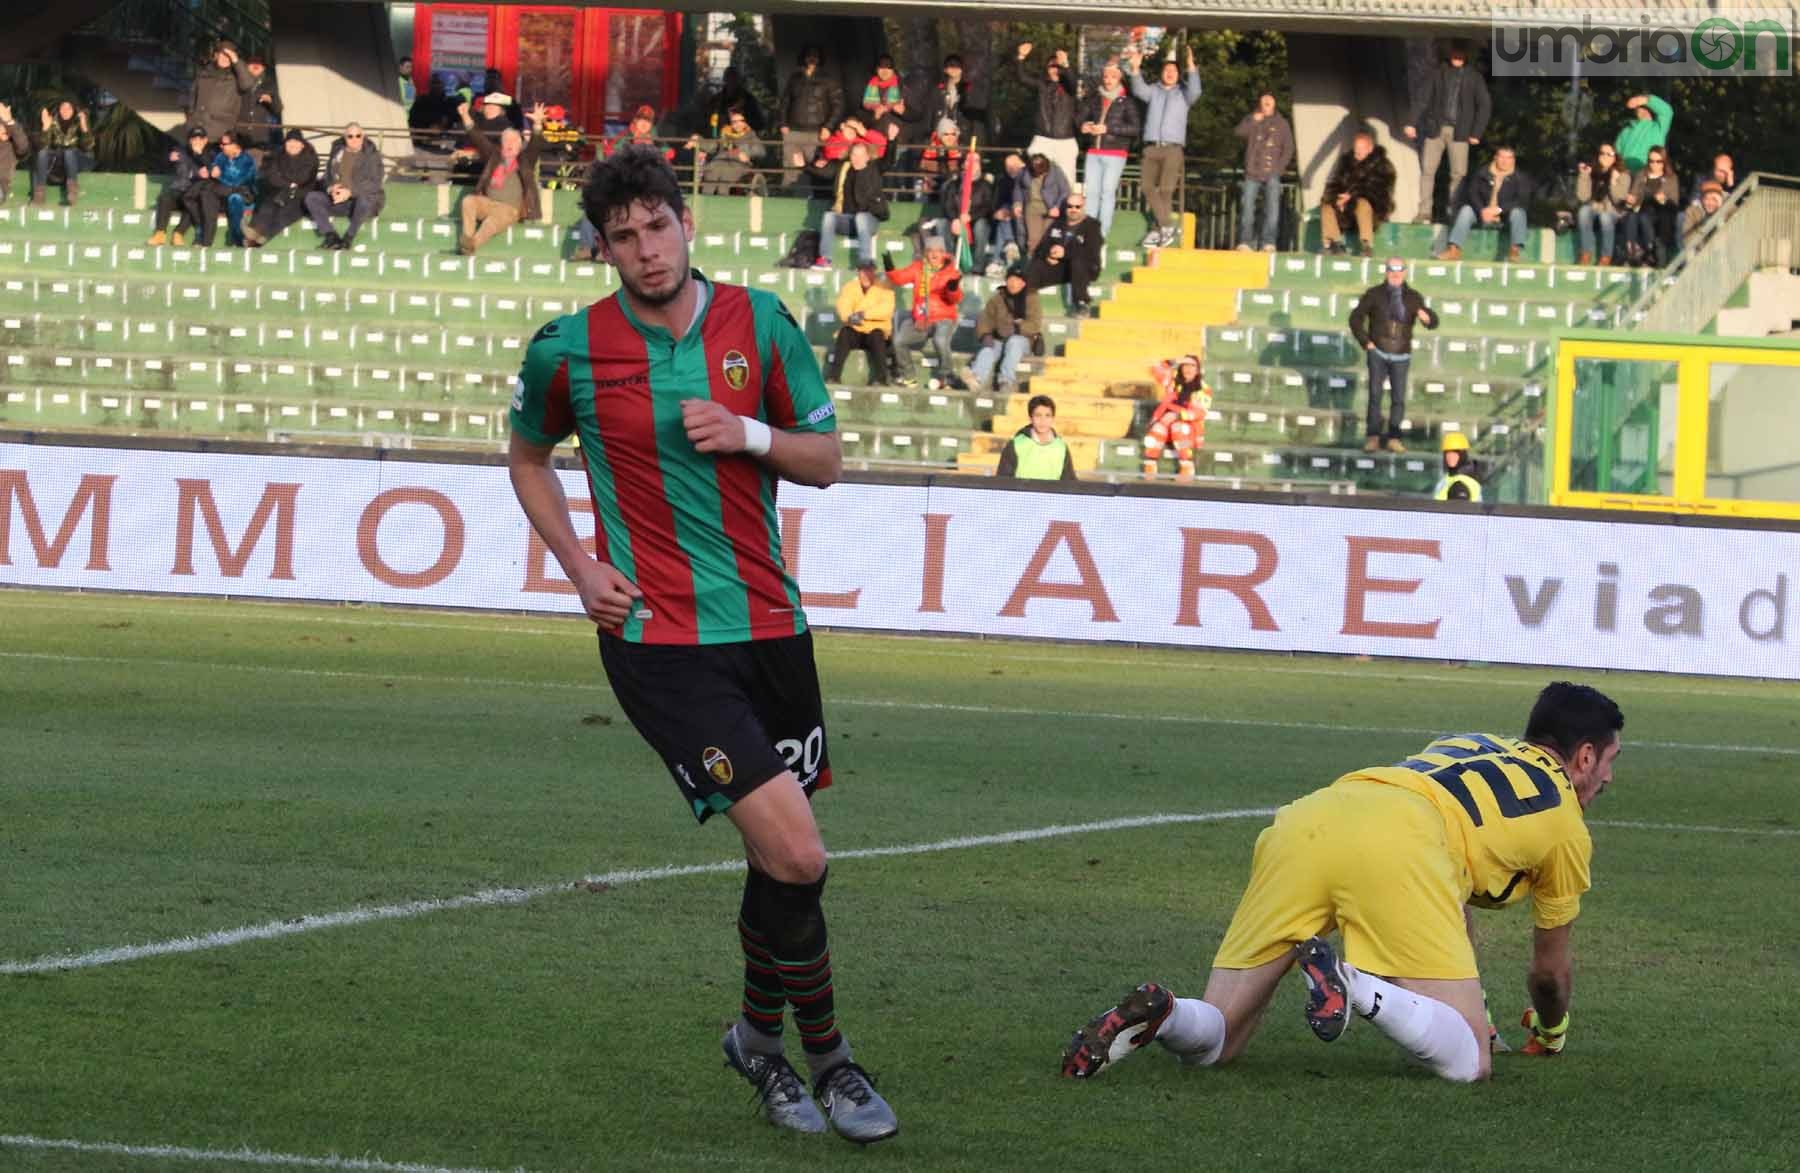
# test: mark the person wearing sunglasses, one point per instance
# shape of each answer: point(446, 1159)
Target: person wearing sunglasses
point(354, 187)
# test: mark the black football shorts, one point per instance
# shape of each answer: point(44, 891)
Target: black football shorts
point(724, 717)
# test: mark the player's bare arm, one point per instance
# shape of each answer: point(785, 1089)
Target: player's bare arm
point(1548, 980)
point(606, 595)
point(806, 458)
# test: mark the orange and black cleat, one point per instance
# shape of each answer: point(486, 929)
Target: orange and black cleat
point(1327, 994)
point(1116, 1033)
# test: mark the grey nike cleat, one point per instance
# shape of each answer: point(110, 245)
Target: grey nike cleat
point(778, 1086)
point(856, 1109)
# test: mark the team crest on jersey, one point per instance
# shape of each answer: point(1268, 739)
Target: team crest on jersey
point(736, 369)
point(717, 764)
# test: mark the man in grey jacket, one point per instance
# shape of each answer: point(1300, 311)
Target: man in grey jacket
point(1452, 113)
point(1268, 149)
point(353, 187)
point(1165, 134)
point(219, 89)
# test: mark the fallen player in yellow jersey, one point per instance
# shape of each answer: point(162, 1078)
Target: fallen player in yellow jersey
point(1393, 856)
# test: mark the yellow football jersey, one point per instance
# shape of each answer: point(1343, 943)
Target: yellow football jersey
point(1511, 807)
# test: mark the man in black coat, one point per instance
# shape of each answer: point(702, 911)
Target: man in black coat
point(1382, 323)
point(289, 176)
point(1452, 113)
point(1072, 253)
point(190, 165)
point(1053, 123)
point(1361, 185)
point(809, 102)
point(354, 185)
point(261, 112)
point(219, 89)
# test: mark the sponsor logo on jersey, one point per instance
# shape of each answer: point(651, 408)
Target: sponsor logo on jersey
point(518, 399)
point(717, 764)
point(736, 369)
point(824, 412)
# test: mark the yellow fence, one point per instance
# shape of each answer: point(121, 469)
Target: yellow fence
point(1686, 424)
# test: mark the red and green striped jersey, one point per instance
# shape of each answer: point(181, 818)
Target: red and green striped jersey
point(696, 532)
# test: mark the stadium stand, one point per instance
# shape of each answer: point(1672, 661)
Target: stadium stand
point(403, 343)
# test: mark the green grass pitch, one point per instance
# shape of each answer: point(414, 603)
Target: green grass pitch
point(172, 767)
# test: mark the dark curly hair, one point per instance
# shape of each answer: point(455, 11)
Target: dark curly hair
point(630, 175)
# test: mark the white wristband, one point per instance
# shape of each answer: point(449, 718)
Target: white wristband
point(757, 436)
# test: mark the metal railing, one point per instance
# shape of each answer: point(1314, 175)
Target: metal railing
point(1757, 228)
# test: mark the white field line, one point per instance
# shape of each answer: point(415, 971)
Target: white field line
point(243, 1156)
point(495, 897)
point(935, 646)
point(597, 689)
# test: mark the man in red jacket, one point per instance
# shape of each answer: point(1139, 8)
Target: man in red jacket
point(936, 287)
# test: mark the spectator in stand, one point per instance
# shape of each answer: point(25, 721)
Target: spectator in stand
point(219, 88)
point(1653, 212)
point(1011, 190)
point(734, 95)
point(354, 187)
point(882, 91)
point(936, 287)
point(1071, 254)
point(858, 205)
point(64, 141)
point(229, 183)
point(941, 157)
point(965, 201)
point(809, 103)
point(1053, 123)
point(1723, 177)
point(408, 92)
point(15, 148)
point(950, 97)
point(190, 167)
point(730, 159)
point(1111, 120)
point(1166, 106)
point(1453, 112)
point(1495, 194)
point(1179, 421)
point(640, 132)
point(260, 118)
point(1600, 189)
point(563, 147)
point(1712, 198)
point(1036, 452)
point(1362, 185)
point(507, 191)
point(1046, 191)
point(1011, 326)
point(865, 307)
point(491, 83)
point(493, 113)
point(291, 175)
point(835, 149)
point(1382, 323)
point(432, 117)
point(1268, 149)
point(1724, 174)
point(1649, 127)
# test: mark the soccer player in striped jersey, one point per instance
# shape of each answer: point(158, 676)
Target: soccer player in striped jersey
point(1394, 855)
point(691, 399)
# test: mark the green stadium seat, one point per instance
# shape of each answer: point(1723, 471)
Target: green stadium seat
point(1496, 313)
point(1239, 385)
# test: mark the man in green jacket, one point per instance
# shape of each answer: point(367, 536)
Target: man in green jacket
point(1037, 453)
point(1652, 117)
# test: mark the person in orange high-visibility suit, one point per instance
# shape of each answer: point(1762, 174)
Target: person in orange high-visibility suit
point(1179, 422)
